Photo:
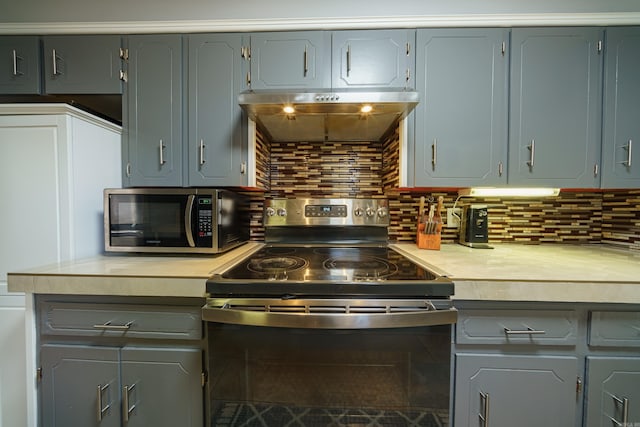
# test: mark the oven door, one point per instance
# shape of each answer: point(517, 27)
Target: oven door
point(328, 362)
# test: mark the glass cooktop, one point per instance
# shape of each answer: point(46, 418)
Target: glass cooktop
point(328, 271)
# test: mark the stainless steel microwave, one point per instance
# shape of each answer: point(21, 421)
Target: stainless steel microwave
point(174, 220)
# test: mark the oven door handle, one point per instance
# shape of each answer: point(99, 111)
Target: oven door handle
point(328, 313)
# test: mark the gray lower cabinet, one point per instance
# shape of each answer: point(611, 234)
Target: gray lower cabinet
point(215, 143)
point(461, 120)
point(132, 362)
point(373, 59)
point(105, 386)
point(515, 390)
point(555, 107)
point(152, 112)
point(612, 391)
point(20, 65)
point(290, 60)
point(621, 127)
point(87, 64)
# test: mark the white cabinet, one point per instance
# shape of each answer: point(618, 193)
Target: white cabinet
point(55, 160)
point(12, 363)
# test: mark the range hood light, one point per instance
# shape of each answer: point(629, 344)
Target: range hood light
point(367, 108)
point(508, 192)
point(288, 109)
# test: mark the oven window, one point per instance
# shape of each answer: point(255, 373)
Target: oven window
point(148, 220)
point(275, 376)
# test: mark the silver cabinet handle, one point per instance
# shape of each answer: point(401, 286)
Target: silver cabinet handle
point(625, 411)
point(528, 331)
point(348, 59)
point(201, 147)
point(500, 169)
point(306, 61)
point(484, 415)
point(16, 58)
point(54, 60)
point(434, 152)
point(126, 409)
point(532, 154)
point(101, 409)
point(629, 148)
point(162, 147)
point(109, 327)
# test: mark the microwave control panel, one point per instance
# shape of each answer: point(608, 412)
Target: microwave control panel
point(205, 216)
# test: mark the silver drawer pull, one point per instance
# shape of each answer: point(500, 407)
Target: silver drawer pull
point(528, 331)
point(109, 327)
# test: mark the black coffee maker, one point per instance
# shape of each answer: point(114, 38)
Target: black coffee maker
point(474, 226)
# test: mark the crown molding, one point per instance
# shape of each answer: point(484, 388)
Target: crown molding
point(247, 25)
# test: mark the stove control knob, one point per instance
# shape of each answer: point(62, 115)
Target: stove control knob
point(382, 212)
point(358, 212)
point(370, 212)
point(270, 212)
point(282, 212)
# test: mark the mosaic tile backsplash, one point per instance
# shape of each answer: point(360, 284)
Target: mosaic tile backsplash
point(361, 169)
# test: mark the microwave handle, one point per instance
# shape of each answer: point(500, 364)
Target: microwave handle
point(187, 220)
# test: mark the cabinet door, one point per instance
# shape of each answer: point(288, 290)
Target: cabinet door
point(373, 58)
point(621, 133)
point(215, 118)
point(162, 387)
point(19, 65)
point(612, 381)
point(290, 60)
point(461, 120)
point(80, 386)
point(82, 64)
point(153, 124)
point(524, 391)
point(555, 107)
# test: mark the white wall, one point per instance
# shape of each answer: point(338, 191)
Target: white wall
point(72, 16)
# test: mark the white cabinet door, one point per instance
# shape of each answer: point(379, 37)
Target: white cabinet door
point(13, 395)
point(30, 190)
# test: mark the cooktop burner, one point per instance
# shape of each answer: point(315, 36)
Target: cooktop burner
point(328, 271)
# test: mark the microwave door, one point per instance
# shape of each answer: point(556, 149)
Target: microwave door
point(148, 221)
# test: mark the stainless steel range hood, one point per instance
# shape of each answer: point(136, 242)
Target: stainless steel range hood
point(327, 116)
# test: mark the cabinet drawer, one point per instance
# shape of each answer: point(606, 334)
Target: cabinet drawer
point(120, 320)
point(614, 329)
point(517, 327)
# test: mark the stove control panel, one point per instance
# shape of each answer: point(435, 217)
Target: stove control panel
point(342, 212)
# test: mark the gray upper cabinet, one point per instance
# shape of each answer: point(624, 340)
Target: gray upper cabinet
point(20, 65)
point(373, 59)
point(461, 120)
point(621, 128)
point(555, 107)
point(82, 64)
point(215, 126)
point(152, 111)
point(290, 60)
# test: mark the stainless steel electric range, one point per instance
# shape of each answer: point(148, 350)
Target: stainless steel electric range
point(328, 325)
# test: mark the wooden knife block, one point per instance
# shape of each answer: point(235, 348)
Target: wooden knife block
point(428, 241)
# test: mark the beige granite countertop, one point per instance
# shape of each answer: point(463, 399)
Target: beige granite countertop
point(118, 274)
point(509, 272)
point(549, 273)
